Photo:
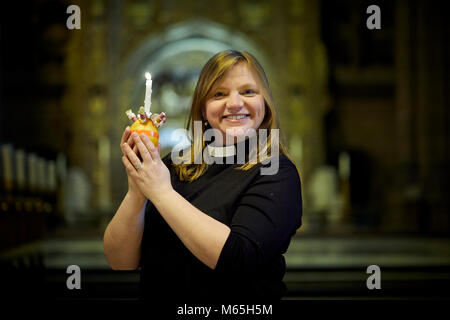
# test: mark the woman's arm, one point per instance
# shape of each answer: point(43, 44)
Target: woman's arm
point(122, 238)
point(266, 218)
point(202, 235)
point(123, 235)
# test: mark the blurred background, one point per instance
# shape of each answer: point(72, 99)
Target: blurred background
point(364, 114)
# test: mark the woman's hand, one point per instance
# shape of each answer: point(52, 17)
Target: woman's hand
point(133, 188)
point(150, 175)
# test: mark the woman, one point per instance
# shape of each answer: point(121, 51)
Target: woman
point(211, 230)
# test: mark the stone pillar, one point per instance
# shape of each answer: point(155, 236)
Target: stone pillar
point(307, 96)
point(405, 187)
point(85, 103)
point(432, 111)
point(418, 196)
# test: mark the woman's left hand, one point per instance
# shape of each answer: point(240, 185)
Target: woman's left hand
point(151, 175)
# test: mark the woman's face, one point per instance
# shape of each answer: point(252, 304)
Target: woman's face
point(236, 105)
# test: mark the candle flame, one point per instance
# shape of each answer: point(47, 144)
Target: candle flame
point(148, 75)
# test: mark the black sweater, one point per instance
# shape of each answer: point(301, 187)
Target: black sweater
point(263, 213)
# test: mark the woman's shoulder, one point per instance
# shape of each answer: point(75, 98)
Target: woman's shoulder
point(281, 177)
point(285, 161)
point(279, 165)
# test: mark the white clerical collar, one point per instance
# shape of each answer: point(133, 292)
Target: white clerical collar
point(221, 151)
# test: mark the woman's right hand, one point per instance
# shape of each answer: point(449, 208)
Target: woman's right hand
point(133, 189)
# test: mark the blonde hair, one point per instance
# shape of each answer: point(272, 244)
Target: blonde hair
point(211, 74)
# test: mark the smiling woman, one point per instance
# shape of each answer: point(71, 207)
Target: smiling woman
point(210, 232)
point(236, 105)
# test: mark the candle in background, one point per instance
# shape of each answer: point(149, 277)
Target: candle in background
point(148, 93)
point(61, 169)
point(32, 172)
point(41, 175)
point(51, 172)
point(20, 170)
point(344, 165)
point(7, 156)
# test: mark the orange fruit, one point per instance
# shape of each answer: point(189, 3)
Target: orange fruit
point(148, 129)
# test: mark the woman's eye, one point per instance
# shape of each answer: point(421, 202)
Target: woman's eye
point(218, 94)
point(249, 92)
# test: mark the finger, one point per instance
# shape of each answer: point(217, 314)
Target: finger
point(145, 154)
point(130, 142)
point(131, 171)
point(159, 149)
point(132, 146)
point(125, 135)
point(135, 150)
point(131, 155)
point(150, 146)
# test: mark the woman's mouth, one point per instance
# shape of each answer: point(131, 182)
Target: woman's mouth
point(236, 118)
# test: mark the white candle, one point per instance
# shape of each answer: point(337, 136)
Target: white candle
point(148, 92)
point(344, 165)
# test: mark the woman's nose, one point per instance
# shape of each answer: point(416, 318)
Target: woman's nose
point(235, 100)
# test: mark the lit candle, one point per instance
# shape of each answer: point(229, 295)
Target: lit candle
point(148, 93)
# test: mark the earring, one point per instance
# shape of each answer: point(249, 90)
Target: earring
point(206, 123)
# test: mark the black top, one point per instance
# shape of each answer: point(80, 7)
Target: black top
point(263, 212)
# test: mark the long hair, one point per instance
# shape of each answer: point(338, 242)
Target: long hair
point(211, 74)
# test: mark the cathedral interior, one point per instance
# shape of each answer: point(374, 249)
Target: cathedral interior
point(364, 113)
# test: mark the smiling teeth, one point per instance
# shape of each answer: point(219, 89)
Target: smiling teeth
point(237, 117)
